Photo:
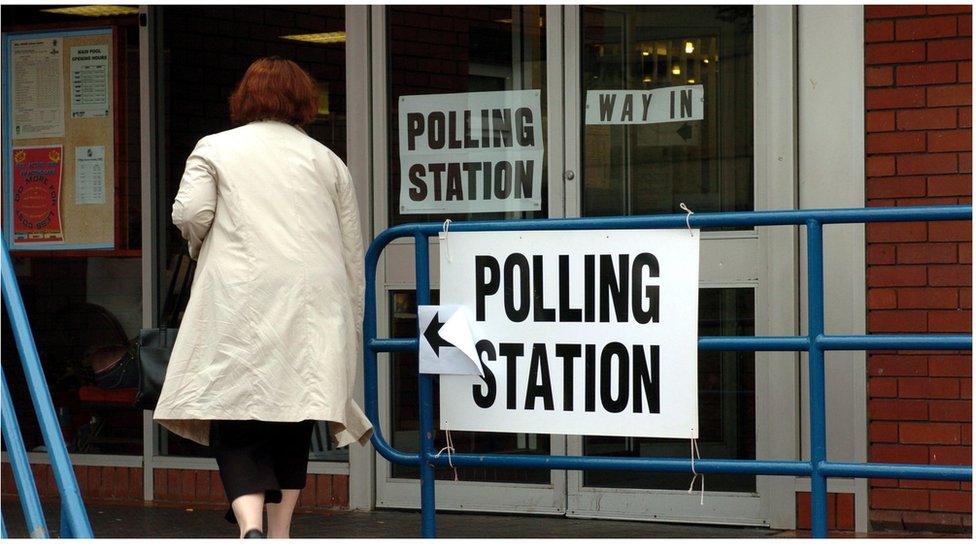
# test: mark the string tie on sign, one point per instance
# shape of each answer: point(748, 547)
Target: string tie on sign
point(444, 239)
point(450, 450)
point(694, 450)
point(687, 217)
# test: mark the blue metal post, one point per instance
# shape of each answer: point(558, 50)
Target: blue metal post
point(818, 414)
point(65, 527)
point(428, 527)
point(23, 476)
point(64, 474)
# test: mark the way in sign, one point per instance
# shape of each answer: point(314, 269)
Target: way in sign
point(673, 104)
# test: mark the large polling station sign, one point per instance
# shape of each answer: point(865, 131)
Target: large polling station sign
point(471, 152)
point(577, 332)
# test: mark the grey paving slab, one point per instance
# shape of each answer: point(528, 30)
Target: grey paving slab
point(116, 521)
point(158, 521)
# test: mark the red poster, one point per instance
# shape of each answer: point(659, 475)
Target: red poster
point(37, 194)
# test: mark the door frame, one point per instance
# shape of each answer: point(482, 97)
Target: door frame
point(405, 493)
point(776, 184)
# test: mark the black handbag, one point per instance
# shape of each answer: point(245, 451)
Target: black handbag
point(115, 366)
point(156, 344)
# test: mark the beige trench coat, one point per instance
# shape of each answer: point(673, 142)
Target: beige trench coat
point(272, 330)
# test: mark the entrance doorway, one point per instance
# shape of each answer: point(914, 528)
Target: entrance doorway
point(714, 164)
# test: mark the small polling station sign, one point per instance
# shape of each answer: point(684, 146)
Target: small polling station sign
point(576, 332)
point(471, 152)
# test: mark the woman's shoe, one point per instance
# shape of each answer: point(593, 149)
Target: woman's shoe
point(253, 533)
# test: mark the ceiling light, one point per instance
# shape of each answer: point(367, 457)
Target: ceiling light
point(318, 38)
point(645, 53)
point(94, 11)
point(691, 80)
point(705, 61)
point(676, 70)
point(689, 47)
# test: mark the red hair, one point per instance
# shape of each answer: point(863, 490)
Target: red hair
point(274, 89)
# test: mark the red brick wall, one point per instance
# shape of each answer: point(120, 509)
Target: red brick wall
point(97, 484)
point(201, 489)
point(840, 512)
point(918, 102)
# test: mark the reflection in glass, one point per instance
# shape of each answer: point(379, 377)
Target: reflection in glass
point(651, 168)
point(726, 407)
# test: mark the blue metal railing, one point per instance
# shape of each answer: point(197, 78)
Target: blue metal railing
point(74, 519)
point(818, 468)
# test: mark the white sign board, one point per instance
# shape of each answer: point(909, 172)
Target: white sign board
point(471, 152)
point(578, 332)
point(657, 106)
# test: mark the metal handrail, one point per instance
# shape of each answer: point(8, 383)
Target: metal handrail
point(74, 518)
point(816, 343)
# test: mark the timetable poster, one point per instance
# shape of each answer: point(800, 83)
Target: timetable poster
point(36, 87)
point(37, 194)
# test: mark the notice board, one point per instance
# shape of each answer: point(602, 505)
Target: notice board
point(59, 139)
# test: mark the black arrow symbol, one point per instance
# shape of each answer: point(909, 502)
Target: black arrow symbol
point(433, 337)
point(685, 132)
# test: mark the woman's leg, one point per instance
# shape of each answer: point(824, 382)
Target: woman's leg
point(279, 514)
point(249, 510)
point(243, 449)
point(291, 469)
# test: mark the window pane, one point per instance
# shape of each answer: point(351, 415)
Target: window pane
point(461, 49)
point(85, 307)
point(652, 168)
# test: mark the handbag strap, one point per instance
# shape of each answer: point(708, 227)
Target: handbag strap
point(178, 292)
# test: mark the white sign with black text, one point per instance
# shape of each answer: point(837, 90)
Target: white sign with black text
point(90, 83)
point(577, 332)
point(655, 106)
point(471, 152)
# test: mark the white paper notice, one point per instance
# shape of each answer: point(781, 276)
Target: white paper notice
point(37, 88)
point(89, 81)
point(446, 342)
point(89, 175)
point(471, 152)
point(655, 106)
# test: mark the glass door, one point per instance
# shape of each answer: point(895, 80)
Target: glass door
point(711, 165)
point(421, 53)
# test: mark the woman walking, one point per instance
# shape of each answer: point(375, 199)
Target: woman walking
point(272, 331)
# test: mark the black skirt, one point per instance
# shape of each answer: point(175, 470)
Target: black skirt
point(260, 456)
